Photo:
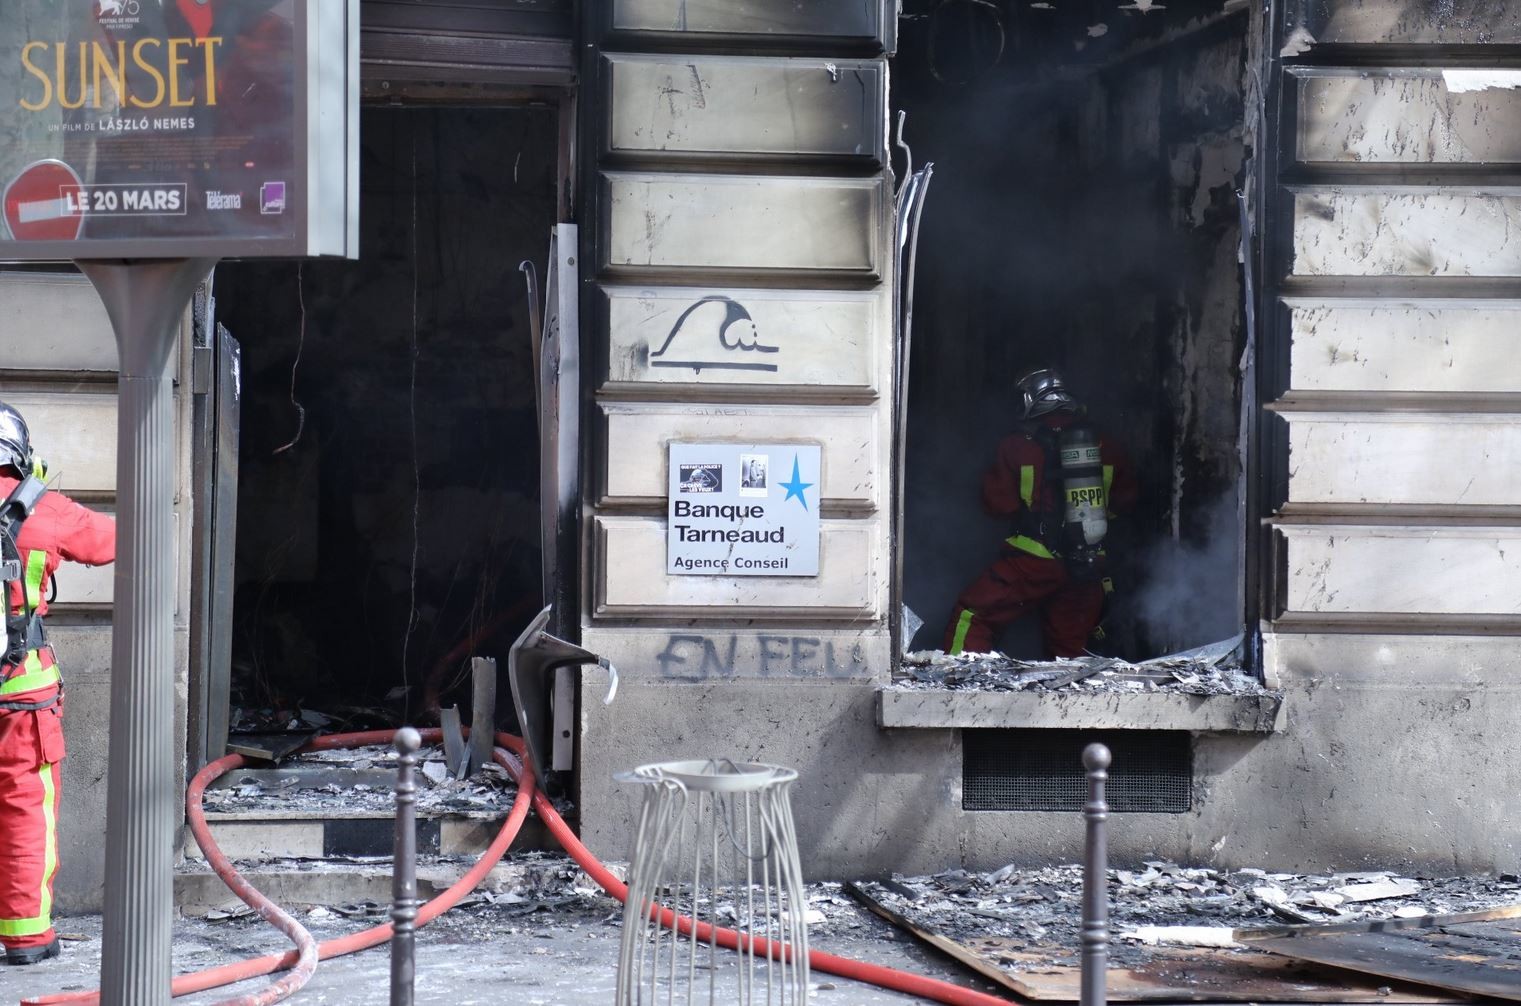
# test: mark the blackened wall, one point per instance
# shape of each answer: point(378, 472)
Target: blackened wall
point(1084, 215)
point(399, 517)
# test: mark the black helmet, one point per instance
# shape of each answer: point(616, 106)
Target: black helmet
point(1042, 390)
point(15, 441)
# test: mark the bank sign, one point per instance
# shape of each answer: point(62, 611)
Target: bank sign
point(178, 128)
point(743, 510)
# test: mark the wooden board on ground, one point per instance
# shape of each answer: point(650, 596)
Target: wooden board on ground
point(1174, 974)
point(272, 747)
point(1478, 953)
point(1188, 974)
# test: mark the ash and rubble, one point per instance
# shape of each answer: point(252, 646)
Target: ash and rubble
point(1039, 910)
point(1208, 670)
point(551, 938)
point(299, 784)
point(532, 882)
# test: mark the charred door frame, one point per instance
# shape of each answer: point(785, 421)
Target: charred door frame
point(484, 53)
point(435, 52)
point(216, 415)
point(475, 52)
point(1267, 437)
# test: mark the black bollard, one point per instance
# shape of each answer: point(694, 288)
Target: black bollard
point(404, 870)
point(1095, 879)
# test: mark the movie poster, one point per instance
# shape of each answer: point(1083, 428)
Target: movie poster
point(133, 119)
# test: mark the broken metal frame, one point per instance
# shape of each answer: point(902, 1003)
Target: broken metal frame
point(535, 665)
point(482, 713)
point(907, 213)
point(216, 420)
point(558, 371)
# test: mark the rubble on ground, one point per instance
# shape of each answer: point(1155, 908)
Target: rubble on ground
point(1041, 908)
point(1208, 670)
point(535, 881)
point(294, 787)
point(545, 949)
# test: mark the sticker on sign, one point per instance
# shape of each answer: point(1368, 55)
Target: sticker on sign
point(35, 205)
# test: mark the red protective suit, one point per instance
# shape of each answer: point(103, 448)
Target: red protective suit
point(31, 740)
point(1027, 576)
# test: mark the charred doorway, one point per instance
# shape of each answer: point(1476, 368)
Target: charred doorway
point(1084, 215)
point(388, 524)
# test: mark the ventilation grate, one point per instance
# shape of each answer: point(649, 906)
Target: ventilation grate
point(1152, 771)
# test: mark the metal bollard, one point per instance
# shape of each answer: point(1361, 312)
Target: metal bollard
point(1095, 879)
point(404, 871)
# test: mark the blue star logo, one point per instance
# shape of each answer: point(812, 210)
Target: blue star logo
point(796, 486)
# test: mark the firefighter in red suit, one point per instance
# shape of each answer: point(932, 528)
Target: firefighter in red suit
point(38, 530)
point(1049, 563)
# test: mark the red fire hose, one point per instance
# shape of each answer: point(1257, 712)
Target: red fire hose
point(306, 945)
point(200, 981)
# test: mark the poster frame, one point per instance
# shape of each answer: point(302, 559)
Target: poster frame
point(325, 210)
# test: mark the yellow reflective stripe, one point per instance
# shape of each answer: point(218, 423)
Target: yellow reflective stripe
point(1108, 481)
point(1027, 544)
point(1108, 585)
point(33, 675)
point(50, 843)
point(35, 926)
point(36, 572)
point(1027, 484)
point(43, 920)
point(964, 623)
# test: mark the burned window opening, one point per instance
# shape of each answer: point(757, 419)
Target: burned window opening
point(415, 379)
point(1085, 216)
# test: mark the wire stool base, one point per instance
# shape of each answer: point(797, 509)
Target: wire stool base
point(715, 843)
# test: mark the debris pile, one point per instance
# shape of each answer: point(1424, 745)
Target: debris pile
point(1209, 670)
point(1040, 909)
point(362, 780)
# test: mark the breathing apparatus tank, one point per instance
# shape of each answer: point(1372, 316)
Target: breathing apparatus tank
point(18, 633)
point(1086, 503)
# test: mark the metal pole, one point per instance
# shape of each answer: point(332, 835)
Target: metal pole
point(456, 755)
point(482, 713)
point(145, 301)
point(1095, 879)
point(404, 871)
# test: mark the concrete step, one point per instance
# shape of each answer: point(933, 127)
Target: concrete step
point(303, 884)
point(340, 804)
point(263, 835)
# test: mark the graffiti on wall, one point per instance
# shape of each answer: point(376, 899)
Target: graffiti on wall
point(697, 657)
point(715, 333)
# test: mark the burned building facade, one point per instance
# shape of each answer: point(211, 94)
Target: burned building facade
point(1272, 248)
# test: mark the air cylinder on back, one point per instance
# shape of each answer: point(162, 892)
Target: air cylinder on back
point(1086, 501)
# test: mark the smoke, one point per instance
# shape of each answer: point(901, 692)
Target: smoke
point(1190, 594)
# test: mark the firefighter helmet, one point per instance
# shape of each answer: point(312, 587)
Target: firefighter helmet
point(15, 441)
point(1042, 390)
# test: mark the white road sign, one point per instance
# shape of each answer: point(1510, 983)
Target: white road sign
point(743, 510)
